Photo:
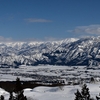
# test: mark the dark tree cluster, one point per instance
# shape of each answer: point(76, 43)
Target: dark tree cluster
point(18, 90)
point(84, 94)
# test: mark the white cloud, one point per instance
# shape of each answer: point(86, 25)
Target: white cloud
point(3, 39)
point(52, 39)
point(33, 20)
point(91, 29)
point(43, 39)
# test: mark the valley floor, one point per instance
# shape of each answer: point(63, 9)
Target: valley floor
point(47, 74)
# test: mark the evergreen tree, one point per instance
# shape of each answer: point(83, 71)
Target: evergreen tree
point(78, 96)
point(11, 96)
point(1, 97)
point(92, 80)
point(19, 91)
point(85, 92)
point(18, 86)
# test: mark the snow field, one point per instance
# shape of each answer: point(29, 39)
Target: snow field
point(55, 93)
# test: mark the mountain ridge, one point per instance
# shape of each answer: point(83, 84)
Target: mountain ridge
point(72, 51)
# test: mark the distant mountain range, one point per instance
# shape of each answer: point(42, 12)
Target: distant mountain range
point(71, 52)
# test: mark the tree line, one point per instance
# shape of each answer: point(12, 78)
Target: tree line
point(84, 94)
point(18, 90)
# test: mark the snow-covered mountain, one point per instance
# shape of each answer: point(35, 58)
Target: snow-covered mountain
point(84, 51)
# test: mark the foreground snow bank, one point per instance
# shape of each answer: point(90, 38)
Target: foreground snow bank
point(59, 93)
point(4, 93)
point(55, 93)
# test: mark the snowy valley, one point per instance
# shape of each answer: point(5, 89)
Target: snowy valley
point(73, 76)
point(61, 67)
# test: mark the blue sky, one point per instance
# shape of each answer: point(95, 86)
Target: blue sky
point(48, 19)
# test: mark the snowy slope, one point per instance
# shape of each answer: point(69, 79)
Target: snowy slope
point(55, 93)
